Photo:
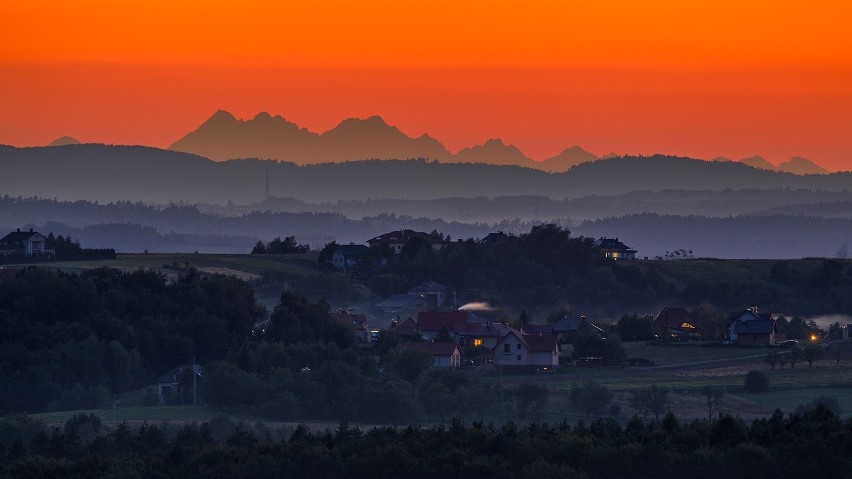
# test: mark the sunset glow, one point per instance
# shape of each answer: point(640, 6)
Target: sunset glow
point(697, 79)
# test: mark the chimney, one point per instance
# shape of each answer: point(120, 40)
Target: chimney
point(31, 230)
point(18, 230)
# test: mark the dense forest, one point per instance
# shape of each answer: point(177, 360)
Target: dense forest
point(815, 443)
point(70, 341)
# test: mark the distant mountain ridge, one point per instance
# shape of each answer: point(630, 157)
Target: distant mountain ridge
point(114, 173)
point(796, 165)
point(224, 137)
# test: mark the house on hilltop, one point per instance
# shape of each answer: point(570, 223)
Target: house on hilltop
point(395, 240)
point(615, 249)
point(26, 245)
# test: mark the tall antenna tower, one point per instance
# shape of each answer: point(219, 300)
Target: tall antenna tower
point(266, 196)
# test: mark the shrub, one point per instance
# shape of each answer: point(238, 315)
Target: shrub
point(756, 382)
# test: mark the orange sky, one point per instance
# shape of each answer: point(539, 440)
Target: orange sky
point(692, 78)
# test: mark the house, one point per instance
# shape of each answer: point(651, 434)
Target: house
point(395, 240)
point(431, 290)
point(172, 384)
point(615, 249)
point(347, 256)
point(676, 323)
point(358, 322)
point(432, 323)
point(527, 352)
point(568, 327)
point(752, 328)
point(493, 238)
point(25, 245)
point(400, 305)
point(407, 329)
point(444, 355)
point(482, 335)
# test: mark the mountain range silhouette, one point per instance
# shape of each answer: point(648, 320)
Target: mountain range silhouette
point(224, 137)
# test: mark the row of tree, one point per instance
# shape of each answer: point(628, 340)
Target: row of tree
point(814, 443)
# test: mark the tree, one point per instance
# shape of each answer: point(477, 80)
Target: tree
point(655, 400)
point(756, 382)
point(531, 400)
point(713, 400)
point(811, 353)
point(772, 359)
point(259, 248)
point(591, 396)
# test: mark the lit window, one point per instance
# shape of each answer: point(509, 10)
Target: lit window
point(687, 326)
point(477, 342)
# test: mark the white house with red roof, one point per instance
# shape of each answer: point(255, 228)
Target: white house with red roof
point(530, 352)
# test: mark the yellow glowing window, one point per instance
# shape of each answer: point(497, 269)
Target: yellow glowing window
point(687, 326)
point(477, 342)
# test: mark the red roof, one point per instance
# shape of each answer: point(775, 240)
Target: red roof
point(407, 327)
point(541, 343)
point(675, 318)
point(488, 329)
point(435, 349)
point(455, 321)
point(536, 343)
point(538, 328)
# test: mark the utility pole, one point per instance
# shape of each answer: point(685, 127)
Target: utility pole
point(194, 389)
point(113, 409)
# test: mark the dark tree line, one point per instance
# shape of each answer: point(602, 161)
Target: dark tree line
point(815, 443)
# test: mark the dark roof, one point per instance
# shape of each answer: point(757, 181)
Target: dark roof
point(574, 324)
point(402, 236)
point(486, 329)
point(492, 238)
point(407, 327)
point(428, 287)
point(353, 318)
point(18, 239)
point(541, 343)
point(613, 244)
point(749, 315)
point(538, 328)
point(675, 318)
point(435, 349)
point(455, 321)
point(398, 301)
point(536, 343)
point(754, 326)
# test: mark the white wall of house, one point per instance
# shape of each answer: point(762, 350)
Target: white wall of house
point(544, 359)
point(511, 352)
